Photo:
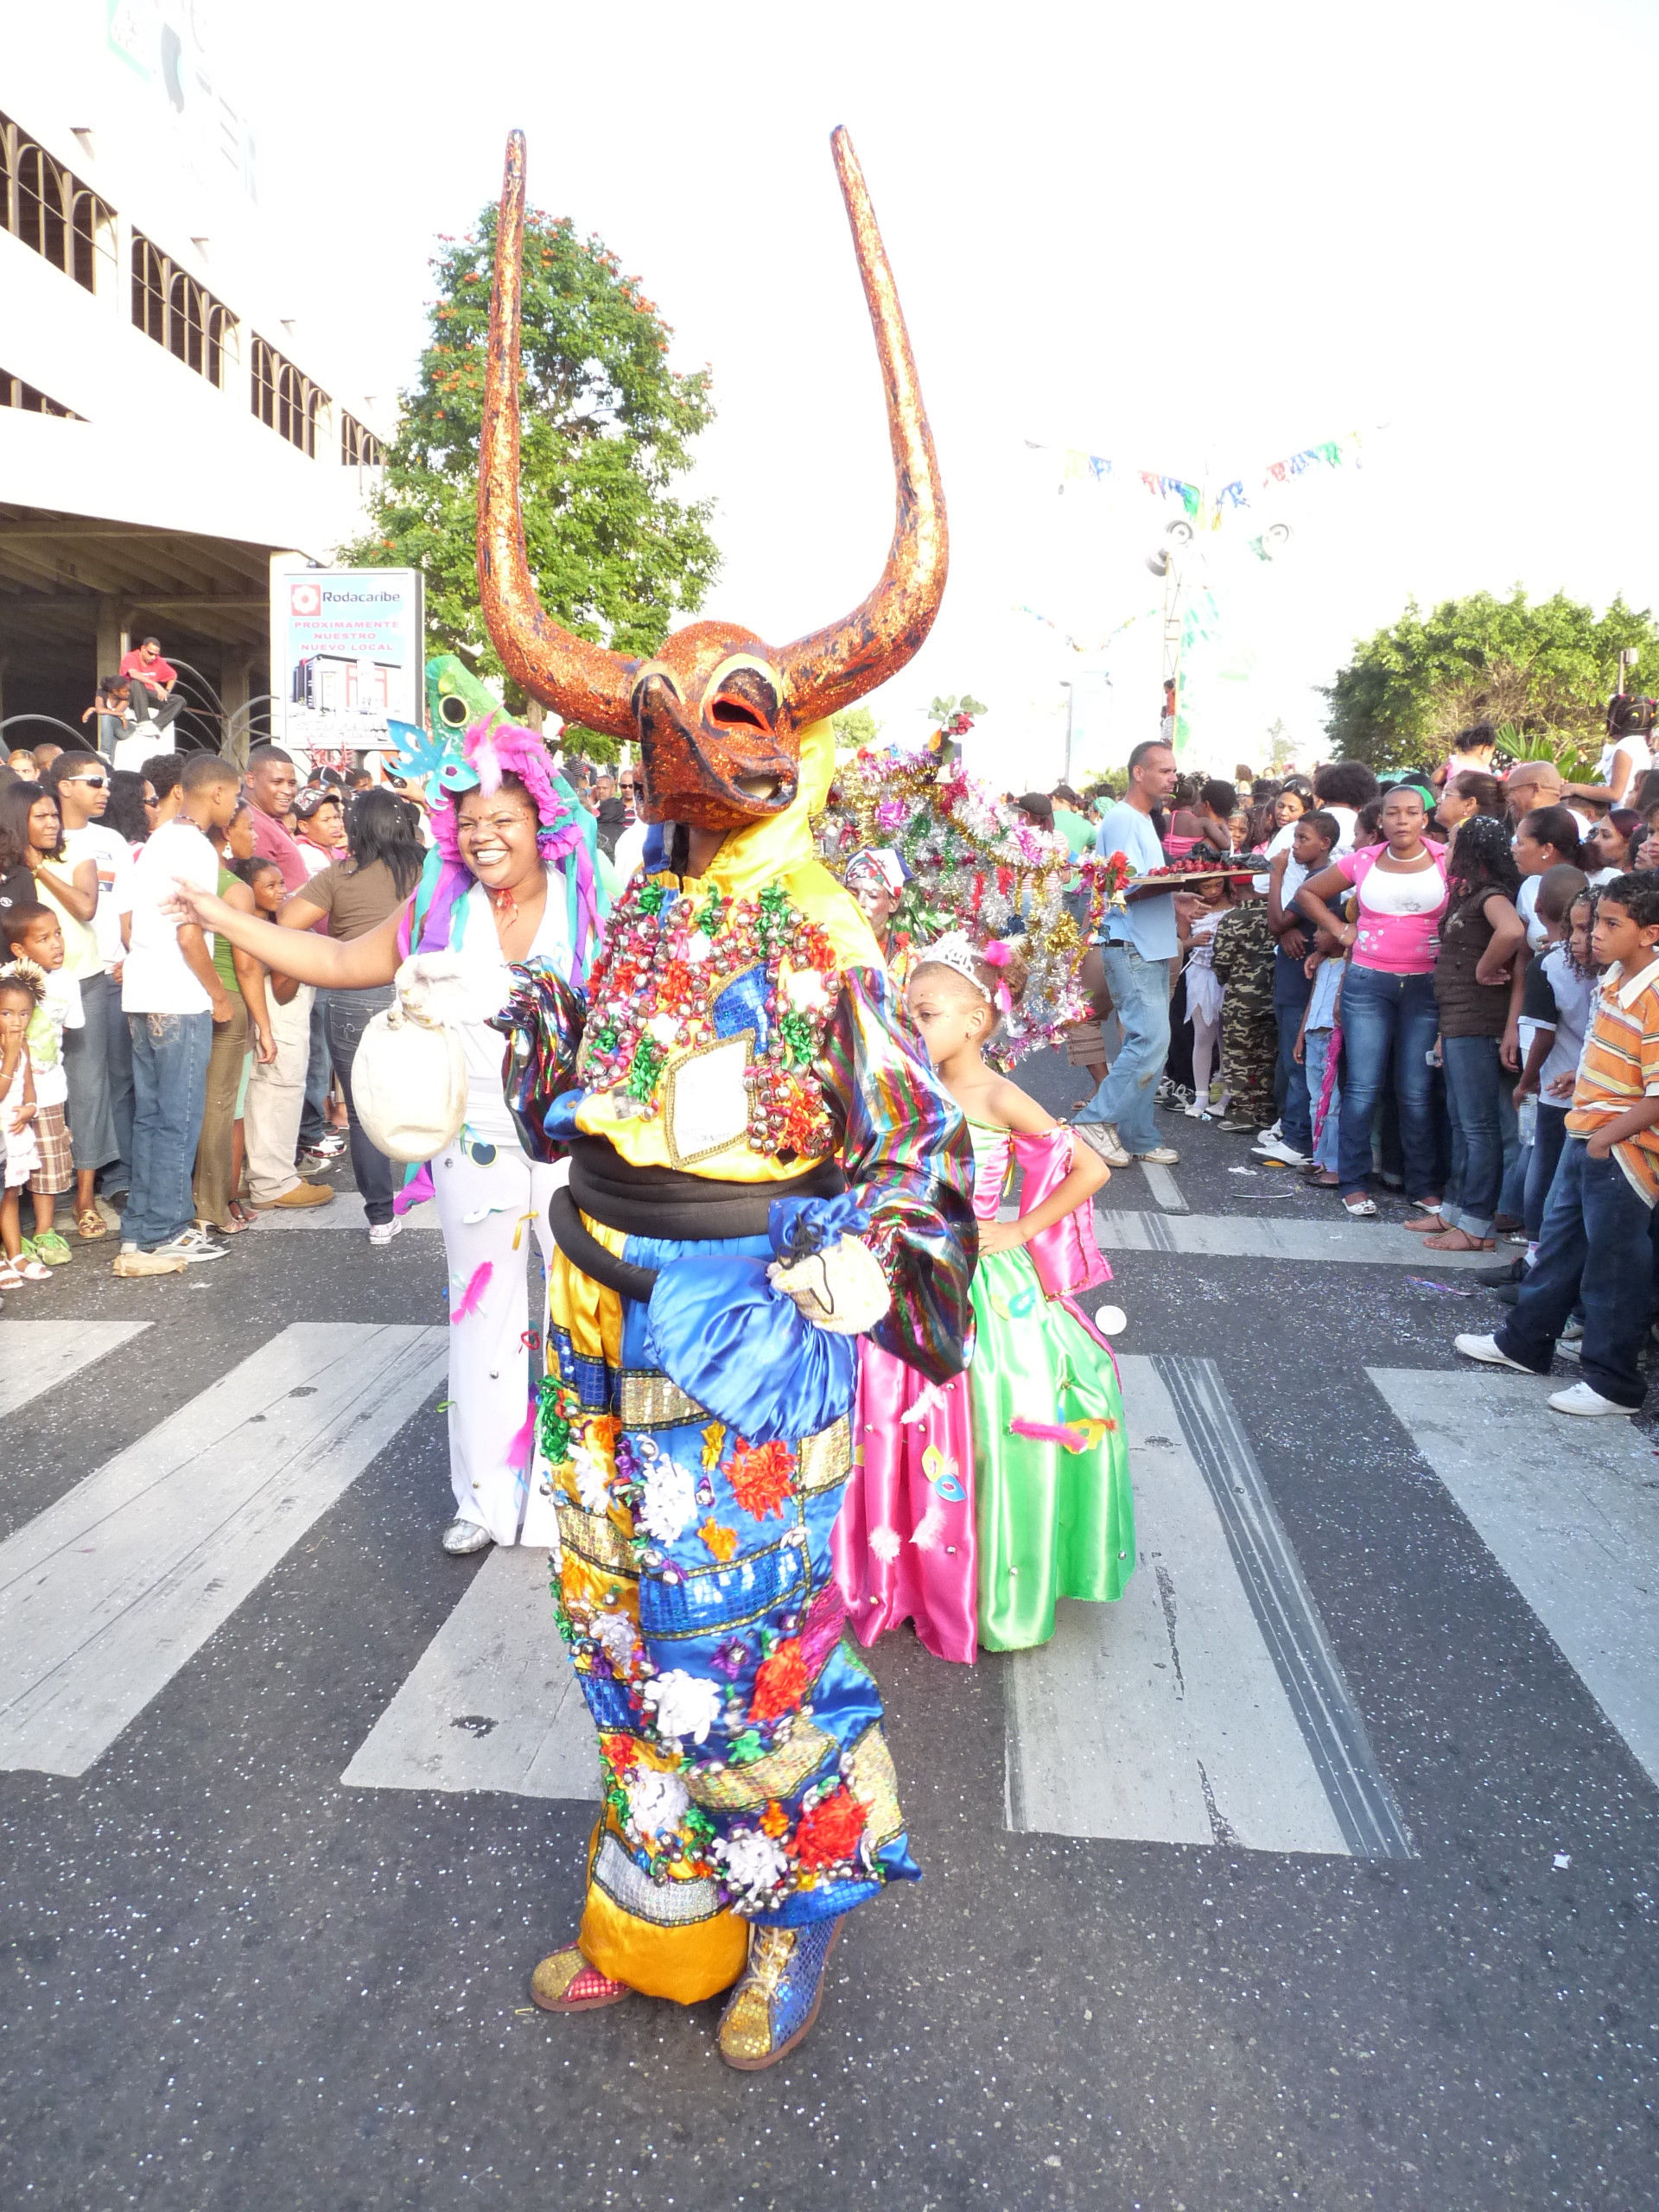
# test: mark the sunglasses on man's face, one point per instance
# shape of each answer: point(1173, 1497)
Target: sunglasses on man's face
point(93, 782)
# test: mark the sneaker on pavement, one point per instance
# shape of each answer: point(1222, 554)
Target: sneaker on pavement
point(1590, 1404)
point(135, 1262)
point(1271, 1131)
point(1161, 1155)
point(47, 1246)
point(1484, 1349)
point(326, 1147)
point(382, 1232)
point(193, 1244)
point(1101, 1137)
point(302, 1194)
point(1572, 1331)
point(463, 1537)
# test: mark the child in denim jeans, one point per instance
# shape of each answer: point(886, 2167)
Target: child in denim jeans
point(1325, 965)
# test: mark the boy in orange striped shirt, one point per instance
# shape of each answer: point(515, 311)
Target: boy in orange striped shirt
point(1596, 1245)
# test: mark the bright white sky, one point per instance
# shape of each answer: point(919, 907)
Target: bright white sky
point(1179, 236)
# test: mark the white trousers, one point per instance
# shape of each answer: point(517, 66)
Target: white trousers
point(276, 1100)
point(484, 1210)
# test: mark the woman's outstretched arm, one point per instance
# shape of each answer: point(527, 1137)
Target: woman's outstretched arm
point(336, 965)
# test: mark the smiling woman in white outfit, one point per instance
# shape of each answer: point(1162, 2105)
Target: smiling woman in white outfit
point(509, 903)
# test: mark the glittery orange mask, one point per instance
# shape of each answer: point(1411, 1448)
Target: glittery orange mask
point(717, 712)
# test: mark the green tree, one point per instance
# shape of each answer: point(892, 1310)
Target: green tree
point(608, 425)
point(1541, 673)
point(591, 744)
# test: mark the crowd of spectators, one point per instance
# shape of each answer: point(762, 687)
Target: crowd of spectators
point(158, 1086)
point(1442, 987)
point(162, 1087)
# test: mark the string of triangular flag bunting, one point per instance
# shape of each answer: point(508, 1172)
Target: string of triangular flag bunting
point(1078, 466)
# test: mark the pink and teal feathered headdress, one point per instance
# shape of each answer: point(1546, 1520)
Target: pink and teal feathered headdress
point(490, 750)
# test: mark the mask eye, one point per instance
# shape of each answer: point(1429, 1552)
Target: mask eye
point(743, 694)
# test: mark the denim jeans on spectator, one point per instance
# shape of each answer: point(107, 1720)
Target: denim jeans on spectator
point(169, 1085)
point(349, 1014)
point(88, 1067)
point(1292, 990)
point(1139, 991)
point(1474, 1078)
point(1595, 1249)
point(1384, 1013)
point(319, 1076)
point(118, 1175)
point(1547, 1145)
point(1317, 1046)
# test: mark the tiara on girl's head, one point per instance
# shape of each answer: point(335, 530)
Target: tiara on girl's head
point(963, 958)
point(955, 953)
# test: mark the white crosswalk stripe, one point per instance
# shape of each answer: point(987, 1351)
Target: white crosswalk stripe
point(36, 1357)
point(493, 1702)
point(108, 1592)
point(1570, 1510)
point(1204, 1706)
point(1179, 1715)
point(1251, 1236)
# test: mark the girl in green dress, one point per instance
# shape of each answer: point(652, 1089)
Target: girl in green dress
point(1054, 1512)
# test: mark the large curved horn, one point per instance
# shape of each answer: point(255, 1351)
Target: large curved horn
point(832, 668)
point(584, 683)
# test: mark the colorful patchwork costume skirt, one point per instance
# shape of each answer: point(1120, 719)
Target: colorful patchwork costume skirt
point(745, 1776)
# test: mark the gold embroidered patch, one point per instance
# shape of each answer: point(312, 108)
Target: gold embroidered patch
point(777, 1774)
point(646, 1399)
point(827, 1458)
point(594, 1539)
point(873, 1782)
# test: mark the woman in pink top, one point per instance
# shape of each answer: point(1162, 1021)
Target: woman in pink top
point(1387, 996)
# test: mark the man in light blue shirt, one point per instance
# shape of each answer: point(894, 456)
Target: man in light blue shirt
point(1137, 945)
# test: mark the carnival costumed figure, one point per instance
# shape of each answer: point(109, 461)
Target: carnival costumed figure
point(761, 1171)
point(492, 947)
point(976, 1505)
point(492, 1184)
point(875, 875)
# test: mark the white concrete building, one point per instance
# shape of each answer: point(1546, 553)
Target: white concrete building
point(168, 417)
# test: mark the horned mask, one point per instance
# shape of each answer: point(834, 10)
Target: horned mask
point(718, 713)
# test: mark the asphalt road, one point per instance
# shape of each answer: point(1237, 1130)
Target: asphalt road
point(232, 1979)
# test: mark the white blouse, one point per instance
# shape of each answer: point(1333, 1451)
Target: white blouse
point(485, 1048)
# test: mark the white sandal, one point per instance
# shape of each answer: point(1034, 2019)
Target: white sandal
point(1360, 1209)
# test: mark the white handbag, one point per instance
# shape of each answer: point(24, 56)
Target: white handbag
point(409, 1080)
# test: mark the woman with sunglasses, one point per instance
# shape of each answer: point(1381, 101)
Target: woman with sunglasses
point(96, 1057)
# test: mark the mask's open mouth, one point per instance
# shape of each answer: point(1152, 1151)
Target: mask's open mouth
point(762, 788)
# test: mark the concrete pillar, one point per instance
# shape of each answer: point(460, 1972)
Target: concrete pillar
point(113, 634)
point(234, 691)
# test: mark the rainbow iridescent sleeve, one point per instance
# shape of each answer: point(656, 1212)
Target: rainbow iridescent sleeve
point(909, 1163)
